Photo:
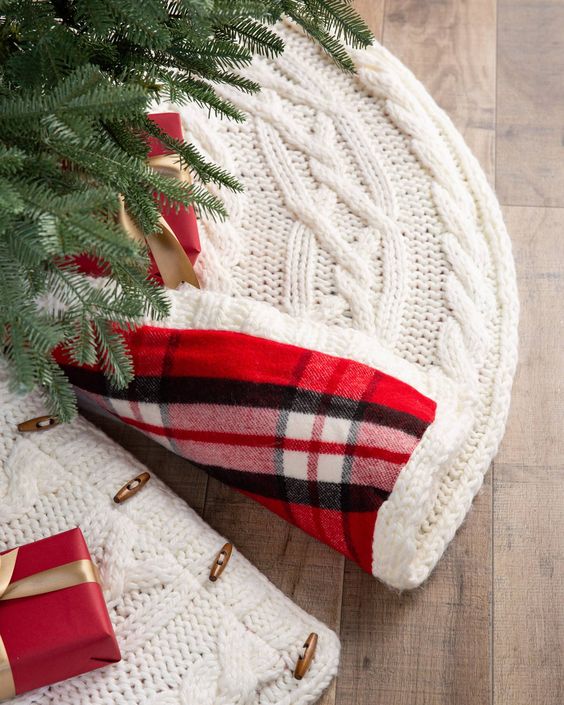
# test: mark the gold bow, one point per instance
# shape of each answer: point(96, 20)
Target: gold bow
point(51, 580)
point(173, 263)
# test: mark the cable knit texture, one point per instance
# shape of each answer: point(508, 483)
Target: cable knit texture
point(367, 229)
point(184, 639)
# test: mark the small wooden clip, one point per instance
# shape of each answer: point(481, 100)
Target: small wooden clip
point(306, 657)
point(40, 423)
point(132, 487)
point(221, 561)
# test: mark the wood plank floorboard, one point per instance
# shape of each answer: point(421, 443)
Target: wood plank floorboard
point(530, 103)
point(528, 627)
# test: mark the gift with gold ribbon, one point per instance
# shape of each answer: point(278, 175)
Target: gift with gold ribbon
point(175, 246)
point(54, 623)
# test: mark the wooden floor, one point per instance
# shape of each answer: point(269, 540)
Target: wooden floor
point(488, 627)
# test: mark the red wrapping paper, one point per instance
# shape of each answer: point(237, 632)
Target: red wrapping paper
point(182, 222)
point(57, 635)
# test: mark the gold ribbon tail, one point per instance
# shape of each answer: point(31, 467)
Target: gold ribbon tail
point(7, 565)
point(7, 685)
point(173, 263)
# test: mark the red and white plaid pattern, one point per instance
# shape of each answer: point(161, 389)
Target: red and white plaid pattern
point(318, 439)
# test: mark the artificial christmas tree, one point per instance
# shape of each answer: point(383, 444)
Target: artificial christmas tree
point(78, 77)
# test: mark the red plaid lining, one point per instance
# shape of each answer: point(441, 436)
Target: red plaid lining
point(318, 439)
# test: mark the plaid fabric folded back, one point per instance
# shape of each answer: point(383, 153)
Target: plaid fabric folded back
point(318, 439)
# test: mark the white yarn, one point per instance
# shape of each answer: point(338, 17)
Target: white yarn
point(184, 639)
point(368, 229)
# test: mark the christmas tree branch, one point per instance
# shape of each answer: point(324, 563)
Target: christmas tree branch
point(76, 80)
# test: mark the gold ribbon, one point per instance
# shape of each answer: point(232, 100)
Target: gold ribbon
point(173, 263)
point(51, 580)
point(7, 685)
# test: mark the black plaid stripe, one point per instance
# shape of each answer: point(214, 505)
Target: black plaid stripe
point(284, 411)
point(328, 495)
point(325, 404)
point(206, 390)
point(345, 486)
point(168, 362)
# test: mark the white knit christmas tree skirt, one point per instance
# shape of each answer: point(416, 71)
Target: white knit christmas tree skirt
point(367, 231)
point(184, 639)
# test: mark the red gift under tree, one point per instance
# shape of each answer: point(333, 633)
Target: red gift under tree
point(54, 623)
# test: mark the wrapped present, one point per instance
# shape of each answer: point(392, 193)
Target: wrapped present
point(175, 247)
point(54, 623)
point(182, 221)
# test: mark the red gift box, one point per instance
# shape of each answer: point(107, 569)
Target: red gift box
point(181, 221)
point(61, 628)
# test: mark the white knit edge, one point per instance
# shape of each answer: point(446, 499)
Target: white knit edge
point(323, 668)
point(402, 559)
